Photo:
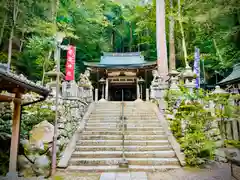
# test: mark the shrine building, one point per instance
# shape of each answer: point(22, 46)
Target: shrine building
point(121, 76)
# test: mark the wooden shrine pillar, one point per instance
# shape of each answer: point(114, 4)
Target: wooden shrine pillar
point(15, 134)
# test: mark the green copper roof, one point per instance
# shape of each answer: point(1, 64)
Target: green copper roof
point(121, 59)
point(134, 59)
point(233, 77)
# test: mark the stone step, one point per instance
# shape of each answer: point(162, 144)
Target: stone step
point(130, 124)
point(128, 116)
point(119, 142)
point(104, 120)
point(110, 113)
point(119, 126)
point(128, 154)
point(127, 148)
point(131, 161)
point(126, 137)
point(116, 168)
point(117, 120)
point(97, 132)
point(105, 137)
point(93, 128)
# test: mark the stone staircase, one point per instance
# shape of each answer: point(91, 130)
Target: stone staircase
point(100, 145)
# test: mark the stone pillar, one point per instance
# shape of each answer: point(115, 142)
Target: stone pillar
point(147, 94)
point(138, 91)
point(162, 59)
point(141, 91)
point(96, 95)
point(106, 90)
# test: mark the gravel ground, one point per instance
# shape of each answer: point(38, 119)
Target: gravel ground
point(216, 172)
point(77, 176)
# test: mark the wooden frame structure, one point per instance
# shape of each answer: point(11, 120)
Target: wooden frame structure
point(17, 86)
point(121, 69)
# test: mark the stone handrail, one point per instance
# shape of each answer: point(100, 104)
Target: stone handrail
point(63, 163)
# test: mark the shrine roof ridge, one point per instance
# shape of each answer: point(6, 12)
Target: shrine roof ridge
point(233, 77)
point(122, 54)
point(22, 81)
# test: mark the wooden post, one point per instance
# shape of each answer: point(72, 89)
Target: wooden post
point(15, 135)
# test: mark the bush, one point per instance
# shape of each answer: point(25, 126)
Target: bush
point(195, 142)
point(34, 114)
point(31, 115)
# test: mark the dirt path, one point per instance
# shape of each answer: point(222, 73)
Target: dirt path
point(216, 172)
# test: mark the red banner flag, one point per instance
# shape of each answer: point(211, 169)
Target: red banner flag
point(70, 64)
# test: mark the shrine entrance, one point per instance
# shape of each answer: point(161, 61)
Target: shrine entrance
point(122, 88)
point(125, 93)
point(121, 76)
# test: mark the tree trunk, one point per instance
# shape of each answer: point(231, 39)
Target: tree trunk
point(131, 37)
point(21, 41)
point(183, 36)
point(113, 40)
point(162, 59)
point(172, 59)
point(217, 50)
point(10, 49)
point(43, 75)
point(139, 43)
point(15, 15)
point(3, 29)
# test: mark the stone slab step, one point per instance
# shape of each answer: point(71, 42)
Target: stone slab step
point(123, 175)
point(119, 142)
point(97, 132)
point(126, 137)
point(119, 123)
point(110, 137)
point(128, 154)
point(104, 121)
point(116, 168)
point(128, 116)
point(93, 128)
point(115, 161)
point(127, 148)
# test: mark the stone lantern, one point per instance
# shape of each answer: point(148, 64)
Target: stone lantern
point(53, 79)
point(173, 80)
point(188, 76)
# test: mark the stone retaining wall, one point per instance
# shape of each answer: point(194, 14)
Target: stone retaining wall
point(38, 149)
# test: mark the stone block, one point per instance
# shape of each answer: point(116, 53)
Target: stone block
point(41, 133)
point(108, 176)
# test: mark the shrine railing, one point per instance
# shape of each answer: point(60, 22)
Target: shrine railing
point(72, 90)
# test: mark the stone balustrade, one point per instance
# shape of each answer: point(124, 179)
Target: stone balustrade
point(73, 90)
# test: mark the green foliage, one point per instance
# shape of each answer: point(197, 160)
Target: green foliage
point(4, 162)
point(31, 116)
point(198, 138)
point(122, 26)
point(35, 114)
point(232, 143)
point(195, 142)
